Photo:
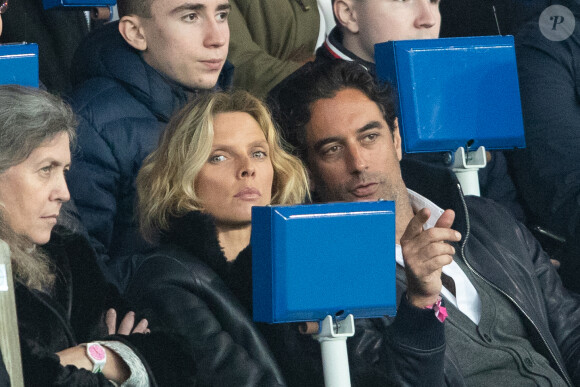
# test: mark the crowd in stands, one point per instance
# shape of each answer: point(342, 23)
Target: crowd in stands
point(170, 123)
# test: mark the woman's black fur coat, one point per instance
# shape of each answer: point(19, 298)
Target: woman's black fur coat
point(73, 313)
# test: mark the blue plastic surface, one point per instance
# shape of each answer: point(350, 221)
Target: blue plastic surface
point(78, 3)
point(454, 91)
point(19, 64)
point(310, 261)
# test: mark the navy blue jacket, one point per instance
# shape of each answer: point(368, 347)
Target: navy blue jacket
point(122, 104)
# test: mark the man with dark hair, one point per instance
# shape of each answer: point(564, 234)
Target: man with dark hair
point(510, 321)
point(360, 24)
point(130, 77)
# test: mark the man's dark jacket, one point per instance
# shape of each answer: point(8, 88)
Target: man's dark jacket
point(502, 252)
point(122, 105)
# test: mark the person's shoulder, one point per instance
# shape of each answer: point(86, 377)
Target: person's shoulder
point(171, 261)
point(103, 101)
point(486, 214)
point(95, 91)
point(531, 35)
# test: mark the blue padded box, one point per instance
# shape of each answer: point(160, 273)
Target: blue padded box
point(310, 261)
point(78, 3)
point(455, 92)
point(19, 64)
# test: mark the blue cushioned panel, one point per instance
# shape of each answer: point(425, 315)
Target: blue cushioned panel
point(310, 261)
point(19, 64)
point(454, 92)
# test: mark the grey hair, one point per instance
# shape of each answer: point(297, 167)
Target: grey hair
point(28, 118)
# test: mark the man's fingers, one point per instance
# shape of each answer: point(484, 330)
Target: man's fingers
point(127, 324)
point(111, 321)
point(141, 327)
point(435, 249)
point(446, 219)
point(436, 263)
point(432, 236)
point(415, 226)
point(434, 257)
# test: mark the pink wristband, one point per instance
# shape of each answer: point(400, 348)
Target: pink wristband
point(440, 311)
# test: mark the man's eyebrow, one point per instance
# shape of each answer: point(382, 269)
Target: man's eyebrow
point(198, 7)
point(371, 125)
point(321, 143)
point(188, 7)
point(224, 7)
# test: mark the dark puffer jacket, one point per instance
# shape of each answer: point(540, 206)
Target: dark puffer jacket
point(122, 105)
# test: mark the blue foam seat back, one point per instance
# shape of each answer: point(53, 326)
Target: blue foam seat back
point(310, 261)
point(77, 3)
point(454, 92)
point(19, 64)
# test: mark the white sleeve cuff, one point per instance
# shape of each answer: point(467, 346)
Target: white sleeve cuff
point(139, 376)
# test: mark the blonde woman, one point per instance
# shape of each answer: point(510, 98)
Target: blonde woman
point(218, 157)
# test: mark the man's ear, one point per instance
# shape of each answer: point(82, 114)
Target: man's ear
point(131, 29)
point(397, 139)
point(345, 14)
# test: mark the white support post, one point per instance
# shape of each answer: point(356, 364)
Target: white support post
point(466, 165)
point(332, 338)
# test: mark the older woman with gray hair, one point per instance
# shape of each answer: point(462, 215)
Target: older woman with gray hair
point(62, 297)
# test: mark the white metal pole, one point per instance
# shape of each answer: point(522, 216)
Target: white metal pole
point(332, 338)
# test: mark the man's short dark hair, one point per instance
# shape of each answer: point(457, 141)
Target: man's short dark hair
point(294, 98)
point(140, 8)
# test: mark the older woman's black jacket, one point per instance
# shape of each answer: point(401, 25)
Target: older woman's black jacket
point(73, 313)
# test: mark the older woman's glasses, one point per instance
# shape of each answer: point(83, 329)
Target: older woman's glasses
point(3, 6)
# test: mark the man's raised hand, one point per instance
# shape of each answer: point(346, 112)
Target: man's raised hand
point(425, 252)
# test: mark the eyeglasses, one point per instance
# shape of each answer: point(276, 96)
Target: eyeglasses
point(3, 6)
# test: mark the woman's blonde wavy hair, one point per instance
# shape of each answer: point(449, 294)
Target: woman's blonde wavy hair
point(166, 181)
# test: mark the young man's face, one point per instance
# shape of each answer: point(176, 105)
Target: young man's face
point(188, 40)
point(383, 20)
point(352, 153)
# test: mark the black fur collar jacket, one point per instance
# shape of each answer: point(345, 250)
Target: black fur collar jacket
point(187, 285)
